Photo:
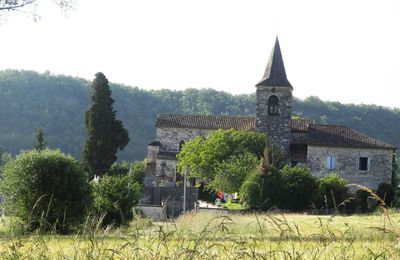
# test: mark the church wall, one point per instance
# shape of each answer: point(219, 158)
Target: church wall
point(165, 171)
point(347, 160)
point(171, 137)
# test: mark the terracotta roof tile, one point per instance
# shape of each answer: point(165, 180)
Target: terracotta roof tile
point(336, 135)
point(300, 125)
point(220, 122)
point(205, 122)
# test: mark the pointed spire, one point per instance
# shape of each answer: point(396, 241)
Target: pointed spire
point(275, 74)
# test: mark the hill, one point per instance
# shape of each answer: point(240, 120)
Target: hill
point(56, 103)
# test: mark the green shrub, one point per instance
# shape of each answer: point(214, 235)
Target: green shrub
point(45, 189)
point(386, 192)
point(115, 196)
point(250, 192)
point(138, 170)
point(299, 187)
point(332, 191)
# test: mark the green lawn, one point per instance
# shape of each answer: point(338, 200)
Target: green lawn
point(208, 236)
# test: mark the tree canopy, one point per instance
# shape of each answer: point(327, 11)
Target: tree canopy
point(56, 104)
point(224, 157)
point(105, 134)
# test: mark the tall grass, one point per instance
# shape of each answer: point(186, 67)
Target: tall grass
point(206, 236)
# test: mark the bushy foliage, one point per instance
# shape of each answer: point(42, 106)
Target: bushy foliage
point(332, 191)
point(124, 168)
point(250, 192)
point(203, 156)
point(45, 189)
point(299, 187)
point(231, 173)
point(386, 192)
point(114, 196)
point(291, 188)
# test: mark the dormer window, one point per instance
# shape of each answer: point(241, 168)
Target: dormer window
point(273, 105)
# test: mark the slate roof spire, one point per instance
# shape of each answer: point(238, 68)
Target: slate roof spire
point(275, 74)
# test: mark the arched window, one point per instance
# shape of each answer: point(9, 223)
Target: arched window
point(273, 105)
point(181, 143)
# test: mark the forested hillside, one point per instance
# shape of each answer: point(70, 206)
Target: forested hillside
point(29, 100)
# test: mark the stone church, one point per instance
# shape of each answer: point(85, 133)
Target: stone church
point(355, 156)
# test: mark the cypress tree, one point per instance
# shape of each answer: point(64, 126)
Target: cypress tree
point(40, 144)
point(105, 134)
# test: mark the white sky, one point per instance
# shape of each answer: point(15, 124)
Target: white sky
point(347, 51)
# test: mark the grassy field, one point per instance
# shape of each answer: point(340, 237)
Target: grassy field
point(207, 236)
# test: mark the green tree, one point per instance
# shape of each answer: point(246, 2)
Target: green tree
point(115, 196)
point(40, 144)
point(203, 156)
point(231, 173)
point(105, 134)
point(138, 170)
point(47, 190)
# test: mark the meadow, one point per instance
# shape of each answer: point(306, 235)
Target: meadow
point(208, 236)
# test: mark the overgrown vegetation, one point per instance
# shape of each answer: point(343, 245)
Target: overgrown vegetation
point(114, 197)
point(29, 100)
point(45, 189)
point(206, 236)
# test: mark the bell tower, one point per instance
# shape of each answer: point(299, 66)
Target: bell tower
point(274, 102)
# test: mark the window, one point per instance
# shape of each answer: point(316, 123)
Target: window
point(363, 163)
point(273, 105)
point(331, 163)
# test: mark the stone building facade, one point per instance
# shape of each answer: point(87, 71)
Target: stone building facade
point(358, 158)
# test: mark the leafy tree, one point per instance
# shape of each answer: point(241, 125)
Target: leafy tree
point(115, 196)
point(105, 134)
point(138, 170)
point(47, 190)
point(203, 156)
point(40, 144)
point(231, 173)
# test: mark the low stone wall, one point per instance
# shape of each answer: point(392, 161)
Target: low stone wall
point(172, 196)
point(214, 211)
point(155, 212)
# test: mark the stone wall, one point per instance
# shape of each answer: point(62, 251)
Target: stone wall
point(165, 171)
point(171, 137)
point(277, 127)
point(173, 196)
point(380, 169)
point(155, 212)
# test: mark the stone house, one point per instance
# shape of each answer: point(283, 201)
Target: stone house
point(355, 156)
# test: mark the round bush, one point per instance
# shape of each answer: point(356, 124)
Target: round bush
point(45, 189)
point(299, 187)
point(114, 196)
point(332, 191)
point(386, 192)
